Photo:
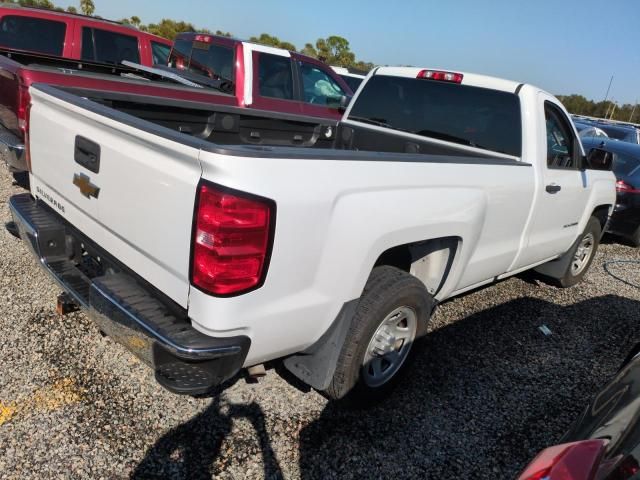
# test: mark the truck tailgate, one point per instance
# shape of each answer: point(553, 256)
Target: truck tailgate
point(129, 190)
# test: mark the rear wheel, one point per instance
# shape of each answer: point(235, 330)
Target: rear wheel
point(392, 314)
point(583, 254)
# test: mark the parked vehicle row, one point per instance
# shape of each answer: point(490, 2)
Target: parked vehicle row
point(267, 96)
point(617, 131)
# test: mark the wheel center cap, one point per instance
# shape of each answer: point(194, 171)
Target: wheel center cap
point(385, 342)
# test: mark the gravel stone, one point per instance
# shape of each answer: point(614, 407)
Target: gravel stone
point(487, 391)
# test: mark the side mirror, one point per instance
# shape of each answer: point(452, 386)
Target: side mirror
point(344, 103)
point(599, 159)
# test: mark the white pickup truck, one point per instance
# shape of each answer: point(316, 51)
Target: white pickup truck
point(206, 259)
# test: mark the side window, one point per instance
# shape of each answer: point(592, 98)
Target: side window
point(108, 47)
point(33, 34)
point(275, 79)
point(353, 82)
point(318, 87)
point(160, 53)
point(180, 54)
point(560, 139)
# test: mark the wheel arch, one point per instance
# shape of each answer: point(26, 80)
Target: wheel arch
point(601, 212)
point(430, 261)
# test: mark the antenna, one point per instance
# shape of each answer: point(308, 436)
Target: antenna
point(606, 96)
point(633, 111)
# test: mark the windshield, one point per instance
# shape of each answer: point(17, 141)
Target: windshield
point(613, 132)
point(478, 117)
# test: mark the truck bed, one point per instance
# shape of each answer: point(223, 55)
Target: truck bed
point(157, 169)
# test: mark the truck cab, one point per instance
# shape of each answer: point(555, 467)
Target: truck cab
point(264, 77)
point(78, 37)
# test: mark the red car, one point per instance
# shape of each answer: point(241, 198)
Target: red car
point(604, 441)
point(264, 78)
point(78, 37)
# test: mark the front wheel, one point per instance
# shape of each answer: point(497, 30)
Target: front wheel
point(583, 254)
point(392, 314)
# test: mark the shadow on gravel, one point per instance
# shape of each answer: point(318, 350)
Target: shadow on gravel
point(484, 395)
point(190, 450)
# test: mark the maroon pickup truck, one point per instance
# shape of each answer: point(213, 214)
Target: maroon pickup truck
point(63, 35)
point(206, 110)
point(263, 77)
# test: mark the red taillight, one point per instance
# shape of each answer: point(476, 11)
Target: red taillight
point(27, 145)
point(571, 461)
point(202, 38)
point(441, 76)
point(231, 240)
point(624, 187)
point(24, 101)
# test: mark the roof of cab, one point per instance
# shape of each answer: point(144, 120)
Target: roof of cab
point(472, 79)
point(191, 36)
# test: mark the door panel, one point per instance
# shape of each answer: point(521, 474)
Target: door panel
point(273, 83)
point(563, 190)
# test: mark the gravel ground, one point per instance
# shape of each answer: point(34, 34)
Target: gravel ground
point(487, 391)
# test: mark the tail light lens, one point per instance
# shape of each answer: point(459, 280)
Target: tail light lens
point(231, 240)
point(24, 102)
point(451, 77)
point(624, 187)
point(571, 461)
point(27, 145)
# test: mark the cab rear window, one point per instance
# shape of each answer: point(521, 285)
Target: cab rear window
point(32, 34)
point(473, 116)
point(104, 46)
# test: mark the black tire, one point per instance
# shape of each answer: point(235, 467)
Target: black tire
point(387, 289)
point(571, 278)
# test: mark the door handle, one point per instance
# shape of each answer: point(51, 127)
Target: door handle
point(553, 188)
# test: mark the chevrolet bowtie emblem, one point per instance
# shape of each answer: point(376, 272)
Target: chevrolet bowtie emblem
point(87, 188)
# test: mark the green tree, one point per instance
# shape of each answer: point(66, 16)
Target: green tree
point(72, 9)
point(335, 50)
point(87, 7)
point(309, 50)
point(271, 41)
point(168, 28)
point(37, 3)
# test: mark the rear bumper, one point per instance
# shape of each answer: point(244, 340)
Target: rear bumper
point(125, 308)
point(12, 150)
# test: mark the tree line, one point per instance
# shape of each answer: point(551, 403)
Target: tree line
point(334, 50)
point(580, 105)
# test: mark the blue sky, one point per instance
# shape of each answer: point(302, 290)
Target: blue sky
point(564, 46)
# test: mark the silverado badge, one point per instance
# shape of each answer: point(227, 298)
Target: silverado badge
point(87, 188)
